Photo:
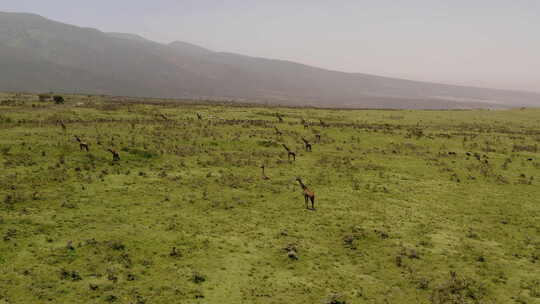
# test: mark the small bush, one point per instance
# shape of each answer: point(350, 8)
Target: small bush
point(197, 278)
point(58, 99)
point(459, 291)
point(70, 275)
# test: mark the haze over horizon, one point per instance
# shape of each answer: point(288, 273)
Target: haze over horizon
point(485, 43)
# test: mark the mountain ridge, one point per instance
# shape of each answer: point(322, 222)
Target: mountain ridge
point(67, 57)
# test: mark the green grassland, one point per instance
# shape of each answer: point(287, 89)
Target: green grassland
point(411, 206)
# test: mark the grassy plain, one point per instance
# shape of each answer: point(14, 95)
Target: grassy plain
point(411, 206)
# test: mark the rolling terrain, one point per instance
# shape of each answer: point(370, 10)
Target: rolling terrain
point(41, 55)
point(411, 206)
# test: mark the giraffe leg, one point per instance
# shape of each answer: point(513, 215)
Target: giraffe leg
point(313, 202)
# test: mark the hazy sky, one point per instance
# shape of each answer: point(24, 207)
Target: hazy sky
point(491, 43)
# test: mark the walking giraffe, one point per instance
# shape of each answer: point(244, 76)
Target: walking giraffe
point(82, 144)
point(264, 174)
point(307, 144)
point(115, 154)
point(308, 194)
point(289, 153)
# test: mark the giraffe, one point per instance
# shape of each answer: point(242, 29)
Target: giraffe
point(61, 123)
point(305, 123)
point(164, 117)
point(82, 144)
point(279, 117)
point(308, 194)
point(115, 154)
point(307, 144)
point(323, 124)
point(289, 153)
point(199, 116)
point(264, 174)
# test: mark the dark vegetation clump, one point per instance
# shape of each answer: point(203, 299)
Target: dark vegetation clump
point(116, 245)
point(58, 99)
point(335, 298)
point(292, 251)
point(459, 290)
point(197, 278)
point(70, 275)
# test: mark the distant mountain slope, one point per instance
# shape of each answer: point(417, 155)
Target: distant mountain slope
point(128, 36)
point(37, 54)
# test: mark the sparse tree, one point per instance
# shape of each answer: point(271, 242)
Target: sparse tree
point(58, 99)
